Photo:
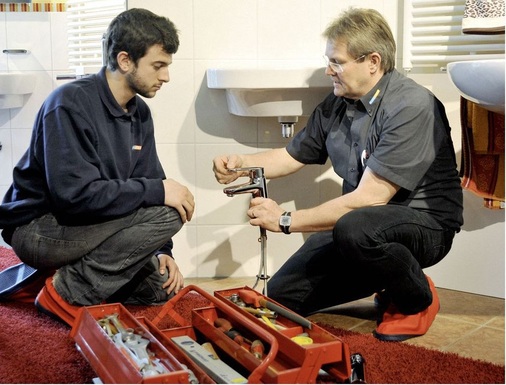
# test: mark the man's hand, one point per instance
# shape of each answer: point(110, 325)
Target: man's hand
point(179, 197)
point(175, 282)
point(265, 212)
point(222, 166)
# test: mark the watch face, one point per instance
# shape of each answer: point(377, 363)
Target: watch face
point(285, 220)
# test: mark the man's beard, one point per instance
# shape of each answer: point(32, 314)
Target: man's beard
point(137, 85)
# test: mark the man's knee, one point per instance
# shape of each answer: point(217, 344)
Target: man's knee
point(350, 228)
point(166, 217)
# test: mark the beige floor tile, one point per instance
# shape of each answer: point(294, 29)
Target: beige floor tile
point(365, 327)
point(444, 331)
point(496, 323)
point(470, 308)
point(342, 321)
point(484, 344)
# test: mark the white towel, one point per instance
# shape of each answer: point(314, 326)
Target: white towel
point(483, 17)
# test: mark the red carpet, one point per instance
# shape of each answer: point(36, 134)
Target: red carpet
point(35, 349)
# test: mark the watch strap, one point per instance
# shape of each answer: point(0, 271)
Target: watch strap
point(285, 229)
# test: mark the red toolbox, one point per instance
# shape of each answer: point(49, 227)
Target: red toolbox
point(241, 346)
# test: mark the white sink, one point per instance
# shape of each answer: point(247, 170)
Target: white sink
point(480, 81)
point(13, 88)
point(264, 92)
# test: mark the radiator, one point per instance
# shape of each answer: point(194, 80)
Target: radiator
point(432, 36)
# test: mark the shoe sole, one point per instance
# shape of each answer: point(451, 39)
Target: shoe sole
point(16, 278)
point(403, 337)
point(49, 313)
point(394, 337)
point(50, 303)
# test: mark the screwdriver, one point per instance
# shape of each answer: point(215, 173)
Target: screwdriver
point(226, 327)
point(256, 347)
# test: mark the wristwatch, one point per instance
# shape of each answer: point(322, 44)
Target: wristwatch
point(285, 221)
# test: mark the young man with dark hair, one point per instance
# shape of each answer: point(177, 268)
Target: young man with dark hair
point(89, 198)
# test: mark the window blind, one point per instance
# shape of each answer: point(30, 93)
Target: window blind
point(87, 21)
point(433, 35)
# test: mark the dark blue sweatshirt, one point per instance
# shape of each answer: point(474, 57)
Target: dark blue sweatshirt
point(88, 161)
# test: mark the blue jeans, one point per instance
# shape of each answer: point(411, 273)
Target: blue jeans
point(370, 249)
point(112, 261)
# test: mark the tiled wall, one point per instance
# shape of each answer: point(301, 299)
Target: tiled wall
point(193, 126)
point(43, 36)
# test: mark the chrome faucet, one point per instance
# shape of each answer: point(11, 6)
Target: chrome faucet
point(256, 185)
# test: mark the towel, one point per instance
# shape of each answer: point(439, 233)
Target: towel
point(483, 17)
point(482, 168)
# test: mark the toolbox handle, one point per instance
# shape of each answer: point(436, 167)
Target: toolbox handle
point(258, 372)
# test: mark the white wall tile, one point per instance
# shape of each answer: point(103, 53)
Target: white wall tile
point(180, 12)
point(270, 134)
point(3, 191)
point(30, 31)
point(59, 43)
point(236, 251)
point(172, 107)
point(214, 207)
point(20, 142)
point(3, 42)
point(296, 28)
point(6, 156)
point(228, 251)
point(178, 162)
point(185, 250)
point(24, 116)
point(225, 29)
point(5, 119)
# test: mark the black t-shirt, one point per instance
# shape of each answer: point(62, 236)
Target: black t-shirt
point(400, 131)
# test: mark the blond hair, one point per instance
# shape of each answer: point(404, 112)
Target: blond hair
point(364, 31)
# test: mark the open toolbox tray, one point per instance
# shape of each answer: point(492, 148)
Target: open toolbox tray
point(283, 360)
point(112, 365)
point(325, 351)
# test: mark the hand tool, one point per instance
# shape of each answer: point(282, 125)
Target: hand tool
point(251, 298)
point(133, 346)
point(357, 369)
point(271, 324)
point(226, 327)
point(260, 312)
point(258, 349)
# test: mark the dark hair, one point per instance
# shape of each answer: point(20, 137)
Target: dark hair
point(135, 31)
point(364, 31)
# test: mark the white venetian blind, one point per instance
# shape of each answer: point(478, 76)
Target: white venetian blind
point(433, 35)
point(87, 21)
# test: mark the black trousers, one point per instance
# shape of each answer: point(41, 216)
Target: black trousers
point(369, 250)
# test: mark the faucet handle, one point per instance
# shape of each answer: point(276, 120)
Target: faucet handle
point(254, 172)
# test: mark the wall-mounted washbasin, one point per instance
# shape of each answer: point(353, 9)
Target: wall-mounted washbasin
point(271, 92)
point(480, 81)
point(261, 92)
point(13, 88)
